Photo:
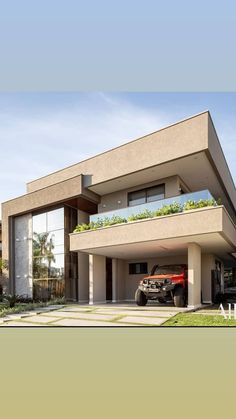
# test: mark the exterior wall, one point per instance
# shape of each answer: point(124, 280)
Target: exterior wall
point(23, 255)
point(109, 202)
point(83, 266)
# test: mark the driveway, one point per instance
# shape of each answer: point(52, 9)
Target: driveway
point(95, 315)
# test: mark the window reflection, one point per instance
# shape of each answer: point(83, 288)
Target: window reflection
point(55, 219)
point(40, 223)
point(48, 255)
point(55, 269)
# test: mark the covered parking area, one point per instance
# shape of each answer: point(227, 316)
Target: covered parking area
point(195, 254)
point(203, 239)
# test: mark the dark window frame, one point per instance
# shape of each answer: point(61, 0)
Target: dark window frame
point(133, 268)
point(145, 190)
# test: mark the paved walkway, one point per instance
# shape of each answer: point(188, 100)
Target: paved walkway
point(95, 315)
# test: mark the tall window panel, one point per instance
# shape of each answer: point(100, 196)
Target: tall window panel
point(55, 268)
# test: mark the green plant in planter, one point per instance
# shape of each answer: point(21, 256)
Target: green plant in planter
point(101, 222)
point(114, 220)
point(81, 227)
point(169, 209)
point(141, 215)
point(199, 204)
point(188, 205)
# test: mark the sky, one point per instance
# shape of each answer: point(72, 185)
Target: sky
point(44, 132)
point(64, 40)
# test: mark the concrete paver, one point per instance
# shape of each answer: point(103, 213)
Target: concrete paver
point(79, 315)
point(78, 322)
point(21, 323)
point(39, 319)
point(143, 320)
point(78, 309)
point(136, 313)
point(106, 315)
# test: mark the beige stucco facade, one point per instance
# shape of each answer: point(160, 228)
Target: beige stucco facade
point(185, 157)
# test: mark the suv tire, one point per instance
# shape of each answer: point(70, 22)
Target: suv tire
point(140, 298)
point(179, 297)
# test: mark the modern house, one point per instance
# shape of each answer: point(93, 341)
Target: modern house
point(180, 163)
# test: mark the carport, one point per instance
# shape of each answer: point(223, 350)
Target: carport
point(202, 238)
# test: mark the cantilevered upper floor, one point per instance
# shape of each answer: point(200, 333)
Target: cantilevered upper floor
point(185, 157)
point(189, 149)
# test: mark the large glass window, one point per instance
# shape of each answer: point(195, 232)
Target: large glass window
point(55, 268)
point(137, 198)
point(55, 219)
point(49, 254)
point(142, 196)
point(155, 193)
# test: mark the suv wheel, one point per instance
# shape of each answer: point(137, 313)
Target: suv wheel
point(140, 298)
point(179, 297)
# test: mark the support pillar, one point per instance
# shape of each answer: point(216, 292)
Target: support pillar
point(194, 275)
point(208, 264)
point(97, 279)
point(114, 279)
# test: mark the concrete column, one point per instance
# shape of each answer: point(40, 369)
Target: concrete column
point(83, 277)
point(83, 265)
point(97, 279)
point(194, 275)
point(114, 279)
point(208, 264)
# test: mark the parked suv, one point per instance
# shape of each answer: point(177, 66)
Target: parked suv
point(167, 282)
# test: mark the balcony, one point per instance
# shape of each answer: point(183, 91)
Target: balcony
point(152, 206)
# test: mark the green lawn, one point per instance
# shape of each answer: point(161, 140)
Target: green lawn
point(191, 319)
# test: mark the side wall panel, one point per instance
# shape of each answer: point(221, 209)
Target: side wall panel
point(23, 255)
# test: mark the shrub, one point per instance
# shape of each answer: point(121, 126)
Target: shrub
point(101, 222)
point(81, 227)
point(11, 299)
point(141, 216)
point(169, 209)
point(199, 204)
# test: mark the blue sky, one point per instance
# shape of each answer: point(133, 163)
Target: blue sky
point(44, 132)
point(122, 45)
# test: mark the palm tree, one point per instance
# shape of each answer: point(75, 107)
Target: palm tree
point(42, 249)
